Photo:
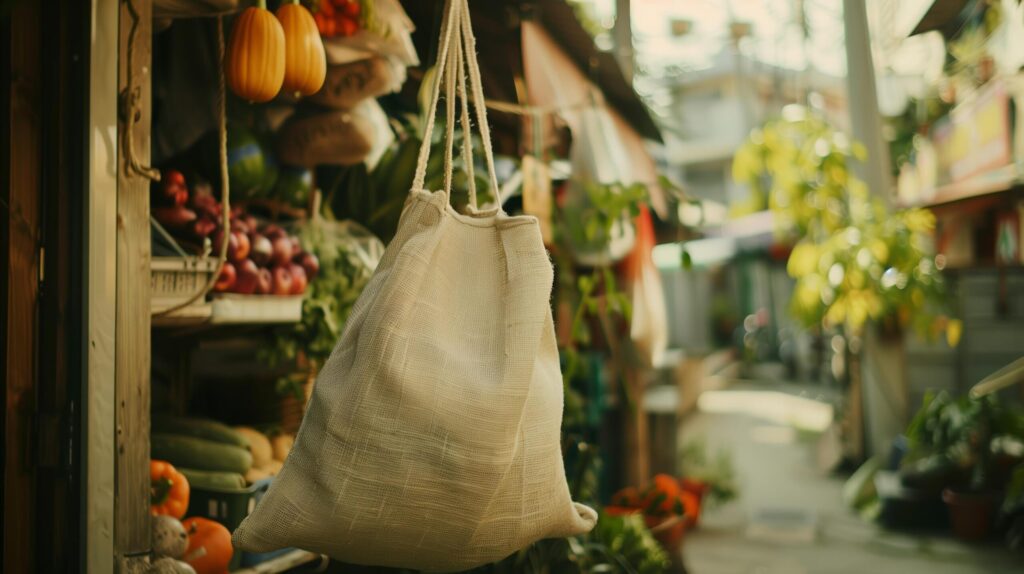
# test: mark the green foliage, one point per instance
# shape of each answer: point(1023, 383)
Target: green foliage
point(717, 472)
point(904, 130)
point(587, 18)
point(618, 544)
point(855, 260)
point(375, 198)
point(594, 293)
point(590, 221)
point(327, 303)
point(966, 432)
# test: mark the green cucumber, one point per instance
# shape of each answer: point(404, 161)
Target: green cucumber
point(210, 480)
point(191, 452)
point(199, 428)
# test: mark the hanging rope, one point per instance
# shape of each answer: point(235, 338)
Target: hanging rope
point(131, 105)
point(224, 180)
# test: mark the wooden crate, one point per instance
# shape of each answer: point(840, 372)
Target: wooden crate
point(173, 280)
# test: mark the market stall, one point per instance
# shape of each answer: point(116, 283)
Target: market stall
point(254, 193)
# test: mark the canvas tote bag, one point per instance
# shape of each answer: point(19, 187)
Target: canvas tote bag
point(431, 439)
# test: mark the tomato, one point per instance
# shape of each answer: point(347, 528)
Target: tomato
point(348, 27)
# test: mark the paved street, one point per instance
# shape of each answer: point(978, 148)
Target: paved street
point(777, 475)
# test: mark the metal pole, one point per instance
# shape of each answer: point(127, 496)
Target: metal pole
point(623, 35)
point(865, 118)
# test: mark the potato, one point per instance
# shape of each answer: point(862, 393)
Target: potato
point(282, 445)
point(259, 444)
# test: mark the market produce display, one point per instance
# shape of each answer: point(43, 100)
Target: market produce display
point(209, 546)
point(337, 17)
point(264, 260)
point(169, 537)
point(169, 489)
point(223, 471)
point(254, 64)
point(321, 114)
point(190, 452)
point(305, 61)
point(198, 428)
point(212, 455)
point(211, 479)
point(261, 259)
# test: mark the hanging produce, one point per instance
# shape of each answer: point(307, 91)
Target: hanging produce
point(348, 84)
point(254, 65)
point(293, 186)
point(305, 64)
point(252, 166)
point(169, 489)
point(331, 138)
point(338, 17)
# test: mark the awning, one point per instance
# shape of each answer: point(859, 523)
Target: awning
point(497, 24)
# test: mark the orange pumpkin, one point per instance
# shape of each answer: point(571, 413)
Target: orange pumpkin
point(254, 62)
point(305, 63)
point(209, 545)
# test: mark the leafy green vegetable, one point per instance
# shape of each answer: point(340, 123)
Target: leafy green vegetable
point(345, 268)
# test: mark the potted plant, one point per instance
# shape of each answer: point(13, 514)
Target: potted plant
point(668, 510)
point(967, 447)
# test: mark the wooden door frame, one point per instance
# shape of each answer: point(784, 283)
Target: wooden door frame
point(42, 160)
point(22, 148)
point(117, 403)
point(100, 252)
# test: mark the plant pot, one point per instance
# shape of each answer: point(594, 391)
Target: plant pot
point(971, 514)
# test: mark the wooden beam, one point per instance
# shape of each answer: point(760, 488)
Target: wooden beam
point(637, 459)
point(132, 347)
point(22, 245)
point(99, 253)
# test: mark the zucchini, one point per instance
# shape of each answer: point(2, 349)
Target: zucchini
point(212, 480)
point(191, 452)
point(198, 428)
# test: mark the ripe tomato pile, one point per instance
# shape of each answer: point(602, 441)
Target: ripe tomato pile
point(337, 17)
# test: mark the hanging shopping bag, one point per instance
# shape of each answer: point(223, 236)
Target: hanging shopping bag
point(648, 326)
point(432, 440)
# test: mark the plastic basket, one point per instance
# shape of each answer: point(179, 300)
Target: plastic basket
point(229, 507)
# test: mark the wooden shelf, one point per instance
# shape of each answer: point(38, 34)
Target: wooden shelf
point(230, 309)
point(991, 183)
point(282, 563)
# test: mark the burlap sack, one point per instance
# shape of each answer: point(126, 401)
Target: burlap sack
point(348, 84)
point(432, 436)
point(342, 137)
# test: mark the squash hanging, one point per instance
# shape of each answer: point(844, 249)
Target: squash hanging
point(305, 64)
point(254, 64)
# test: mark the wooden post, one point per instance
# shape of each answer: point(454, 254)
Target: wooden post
point(637, 431)
point(100, 256)
point(22, 147)
point(132, 347)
